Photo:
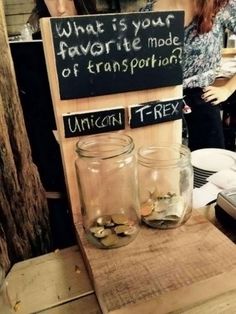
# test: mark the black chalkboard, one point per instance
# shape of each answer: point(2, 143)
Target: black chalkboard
point(105, 54)
point(93, 122)
point(154, 112)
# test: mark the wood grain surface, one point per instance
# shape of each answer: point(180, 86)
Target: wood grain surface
point(187, 265)
point(48, 281)
point(88, 305)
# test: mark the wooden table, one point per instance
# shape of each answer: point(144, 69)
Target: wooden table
point(58, 283)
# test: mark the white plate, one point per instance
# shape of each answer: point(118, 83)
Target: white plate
point(213, 159)
point(203, 172)
point(199, 179)
point(198, 184)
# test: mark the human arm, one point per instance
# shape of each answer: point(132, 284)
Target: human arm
point(218, 94)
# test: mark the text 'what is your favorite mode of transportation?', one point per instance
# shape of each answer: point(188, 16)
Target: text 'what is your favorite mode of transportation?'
point(101, 54)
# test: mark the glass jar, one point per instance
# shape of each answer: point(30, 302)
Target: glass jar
point(107, 178)
point(165, 185)
point(5, 304)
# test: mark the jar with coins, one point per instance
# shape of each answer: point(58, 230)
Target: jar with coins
point(107, 179)
point(165, 185)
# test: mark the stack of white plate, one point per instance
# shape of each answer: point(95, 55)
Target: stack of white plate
point(207, 161)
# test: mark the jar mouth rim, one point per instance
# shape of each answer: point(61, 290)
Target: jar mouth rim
point(103, 146)
point(147, 154)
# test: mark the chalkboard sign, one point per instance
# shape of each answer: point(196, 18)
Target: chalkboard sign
point(112, 53)
point(93, 122)
point(155, 112)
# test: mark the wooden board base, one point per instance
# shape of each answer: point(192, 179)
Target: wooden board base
point(48, 281)
point(184, 265)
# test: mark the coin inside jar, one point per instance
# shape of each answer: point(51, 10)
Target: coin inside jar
point(96, 229)
point(110, 240)
point(131, 230)
point(167, 211)
point(146, 209)
point(112, 231)
point(104, 220)
point(120, 219)
point(103, 233)
point(121, 229)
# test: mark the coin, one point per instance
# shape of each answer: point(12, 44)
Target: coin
point(110, 240)
point(103, 233)
point(121, 229)
point(110, 224)
point(104, 220)
point(120, 219)
point(146, 209)
point(131, 230)
point(96, 229)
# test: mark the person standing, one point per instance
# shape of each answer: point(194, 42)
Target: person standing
point(204, 28)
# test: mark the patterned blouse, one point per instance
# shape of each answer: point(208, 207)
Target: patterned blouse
point(201, 61)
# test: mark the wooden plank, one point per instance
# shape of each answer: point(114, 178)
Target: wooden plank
point(88, 305)
point(214, 295)
point(17, 19)
point(225, 303)
point(14, 30)
point(24, 8)
point(19, 2)
point(17, 13)
point(49, 280)
point(195, 256)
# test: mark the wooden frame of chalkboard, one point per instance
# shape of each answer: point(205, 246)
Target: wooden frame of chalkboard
point(105, 54)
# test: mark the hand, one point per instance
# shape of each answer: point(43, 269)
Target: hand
point(216, 94)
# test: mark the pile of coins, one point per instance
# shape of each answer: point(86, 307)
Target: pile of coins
point(164, 211)
point(111, 231)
